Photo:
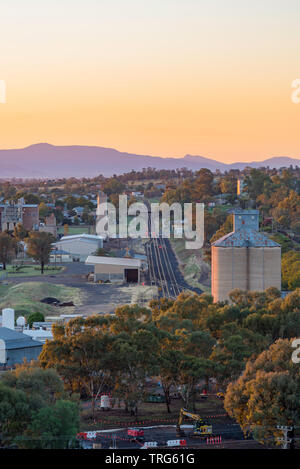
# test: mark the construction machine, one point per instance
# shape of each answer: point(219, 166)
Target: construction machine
point(201, 427)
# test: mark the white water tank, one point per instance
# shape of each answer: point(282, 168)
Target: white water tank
point(21, 321)
point(2, 352)
point(105, 402)
point(8, 318)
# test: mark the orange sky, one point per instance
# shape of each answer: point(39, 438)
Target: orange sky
point(162, 78)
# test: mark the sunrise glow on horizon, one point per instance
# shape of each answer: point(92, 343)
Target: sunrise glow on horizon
point(162, 77)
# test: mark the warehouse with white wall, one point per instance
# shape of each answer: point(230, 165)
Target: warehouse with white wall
point(78, 246)
point(115, 269)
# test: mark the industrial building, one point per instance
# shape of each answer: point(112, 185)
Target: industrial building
point(15, 346)
point(245, 259)
point(13, 213)
point(115, 269)
point(50, 225)
point(101, 213)
point(79, 246)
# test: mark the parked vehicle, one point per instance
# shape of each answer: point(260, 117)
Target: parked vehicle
point(136, 434)
point(134, 431)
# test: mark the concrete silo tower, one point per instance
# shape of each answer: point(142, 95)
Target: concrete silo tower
point(245, 259)
point(101, 213)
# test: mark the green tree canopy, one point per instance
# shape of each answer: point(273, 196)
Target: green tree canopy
point(35, 317)
point(54, 427)
point(7, 248)
point(39, 247)
point(267, 394)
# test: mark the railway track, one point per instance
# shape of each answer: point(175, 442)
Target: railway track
point(161, 272)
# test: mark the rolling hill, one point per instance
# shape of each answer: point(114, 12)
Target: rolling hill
point(43, 160)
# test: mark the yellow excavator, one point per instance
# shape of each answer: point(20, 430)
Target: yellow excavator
point(201, 427)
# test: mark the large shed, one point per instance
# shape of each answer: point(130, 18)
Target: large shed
point(15, 346)
point(115, 269)
point(79, 246)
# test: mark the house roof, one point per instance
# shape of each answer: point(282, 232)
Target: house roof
point(82, 236)
point(17, 340)
point(123, 261)
point(23, 205)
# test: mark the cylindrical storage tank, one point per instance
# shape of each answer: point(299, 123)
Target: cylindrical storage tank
point(8, 318)
point(229, 271)
point(2, 352)
point(272, 267)
point(21, 321)
point(257, 269)
point(245, 259)
point(105, 402)
point(248, 269)
point(265, 268)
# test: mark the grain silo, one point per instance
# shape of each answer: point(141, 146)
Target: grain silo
point(245, 259)
point(101, 214)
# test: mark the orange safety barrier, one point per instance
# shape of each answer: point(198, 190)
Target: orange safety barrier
point(212, 440)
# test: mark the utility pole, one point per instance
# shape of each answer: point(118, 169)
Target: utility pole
point(114, 442)
point(287, 441)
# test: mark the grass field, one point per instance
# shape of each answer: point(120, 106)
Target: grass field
point(31, 270)
point(25, 298)
point(140, 293)
point(74, 230)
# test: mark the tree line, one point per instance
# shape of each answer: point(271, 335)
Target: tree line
point(35, 410)
point(184, 343)
point(38, 245)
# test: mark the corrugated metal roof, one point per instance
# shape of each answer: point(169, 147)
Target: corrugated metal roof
point(17, 340)
point(123, 261)
point(245, 237)
point(81, 236)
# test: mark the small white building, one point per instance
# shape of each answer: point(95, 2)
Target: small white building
point(38, 334)
point(79, 246)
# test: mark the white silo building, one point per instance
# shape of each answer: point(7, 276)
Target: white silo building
point(245, 259)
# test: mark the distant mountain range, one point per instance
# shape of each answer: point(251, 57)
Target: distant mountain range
point(49, 161)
